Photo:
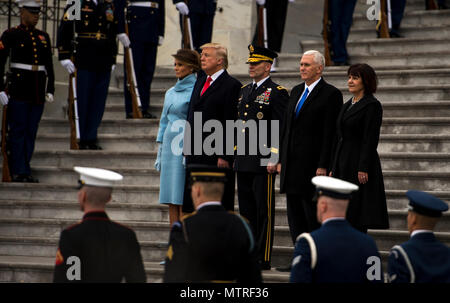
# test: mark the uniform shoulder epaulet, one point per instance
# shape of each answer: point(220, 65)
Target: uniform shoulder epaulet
point(74, 225)
point(117, 223)
point(239, 215)
point(188, 215)
point(279, 87)
point(244, 85)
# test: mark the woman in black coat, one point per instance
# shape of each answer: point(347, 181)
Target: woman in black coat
point(354, 155)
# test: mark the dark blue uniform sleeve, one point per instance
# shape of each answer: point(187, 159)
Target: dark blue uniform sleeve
point(162, 18)
point(135, 271)
point(397, 269)
point(65, 38)
point(120, 15)
point(301, 271)
point(177, 256)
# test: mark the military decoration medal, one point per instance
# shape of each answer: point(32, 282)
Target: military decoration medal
point(259, 115)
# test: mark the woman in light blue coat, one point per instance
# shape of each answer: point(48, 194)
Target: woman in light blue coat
point(171, 131)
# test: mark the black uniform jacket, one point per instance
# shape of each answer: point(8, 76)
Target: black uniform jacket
point(28, 46)
point(218, 102)
point(96, 46)
point(108, 251)
point(307, 139)
point(211, 245)
point(146, 24)
point(264, 105)
point(207, 7)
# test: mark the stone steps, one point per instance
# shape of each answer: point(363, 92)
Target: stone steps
point(387, 46)
point(420, 180)
point(421, 125)
point(141, 212)
point(337, 77)
point(131, 127)
point(67, 158)
point(146, 143)
point(408, 31)
point(128, 127)
point(149, 195)
point(40, 270)
point(51, 228)
point(135, 143)
point(420, 18)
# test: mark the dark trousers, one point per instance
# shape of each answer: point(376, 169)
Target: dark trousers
point(276, 19)
point(144, 57)
point(201, 28)
point(23, 122)
point(397, 10)
point(92, 90)
point(256, 194)
point(341, 16)
point(227, 199)
point(301, 213)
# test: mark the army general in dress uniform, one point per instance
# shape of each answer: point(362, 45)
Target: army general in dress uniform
point(146, 23)
point(260, 102)
point(423, 258)
point(29, 84)
point(94, 51)
point(211, 244)
point(98, 249)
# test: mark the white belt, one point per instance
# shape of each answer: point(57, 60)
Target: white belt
point(35, 68)
point(145, 4)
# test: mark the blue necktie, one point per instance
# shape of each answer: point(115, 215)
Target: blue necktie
point(300, 104)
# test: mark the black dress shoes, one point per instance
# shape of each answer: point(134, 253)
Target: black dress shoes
point(24, 179)
point(129, 116)
point(89, 145)
point(147, 115)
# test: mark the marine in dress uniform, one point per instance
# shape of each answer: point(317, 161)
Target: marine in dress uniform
point(98, 249)
point(201, 14)
point(94, 56)
point(261, 101)
point(336, 252)
point(29, 84)
point(211, 244)
point(146, 23)
point(423, 258)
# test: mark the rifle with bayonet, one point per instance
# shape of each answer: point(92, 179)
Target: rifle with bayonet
point(325, 34)
point(131, 77)
point(6, 173)
point(72, 99)
point(187, 33)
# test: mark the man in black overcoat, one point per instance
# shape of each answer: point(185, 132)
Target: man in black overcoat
point(310, 124)
point(98, 249)
point(214, 99)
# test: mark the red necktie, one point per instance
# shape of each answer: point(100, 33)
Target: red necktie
point(207, 83)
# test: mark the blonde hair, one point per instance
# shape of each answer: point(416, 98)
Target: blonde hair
point(221, 52)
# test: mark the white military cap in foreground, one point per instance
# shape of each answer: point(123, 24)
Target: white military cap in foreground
point(333, 187)
point(29, 3)
point(97, 176)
